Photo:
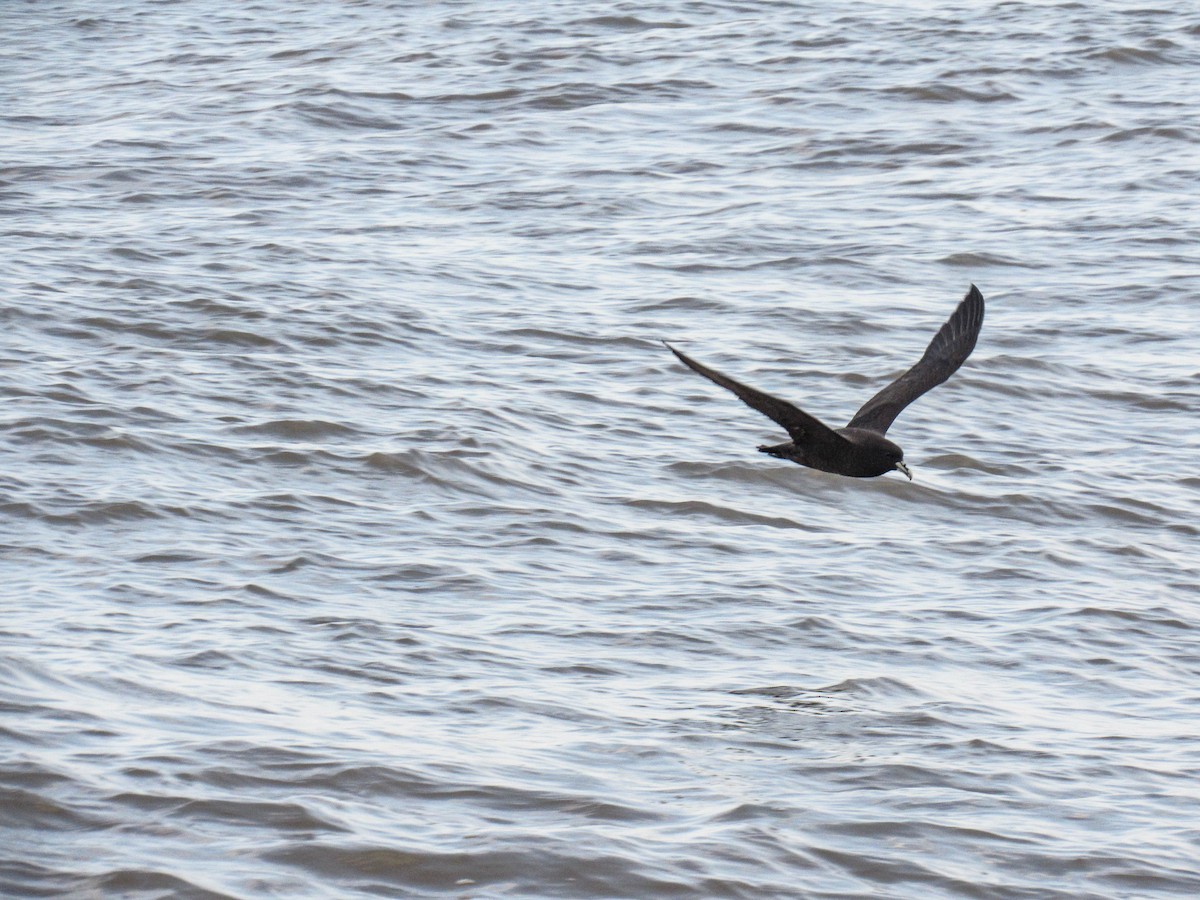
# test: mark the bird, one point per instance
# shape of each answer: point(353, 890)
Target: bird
point(861, 449)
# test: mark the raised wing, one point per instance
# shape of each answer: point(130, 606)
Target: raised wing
point(947, 351)
point(800, 426)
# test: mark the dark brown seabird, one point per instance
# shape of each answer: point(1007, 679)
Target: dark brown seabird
point(860, 450)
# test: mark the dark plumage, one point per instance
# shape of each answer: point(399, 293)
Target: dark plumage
point(860, 450)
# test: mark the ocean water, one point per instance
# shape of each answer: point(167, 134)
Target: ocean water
point(361, 539)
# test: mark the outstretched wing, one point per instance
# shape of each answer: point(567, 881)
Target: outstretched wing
point(947, 351)
point(803, 428)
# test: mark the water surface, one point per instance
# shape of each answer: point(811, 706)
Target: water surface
point(360, 539)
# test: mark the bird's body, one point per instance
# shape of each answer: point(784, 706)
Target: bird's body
point(861, 450)
point(864, 454)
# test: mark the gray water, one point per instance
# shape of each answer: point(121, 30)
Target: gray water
point(361, 539)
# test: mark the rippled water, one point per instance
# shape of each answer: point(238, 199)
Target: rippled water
point(360, 538)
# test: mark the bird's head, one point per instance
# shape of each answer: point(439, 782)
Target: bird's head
point(895, 456)
point(877, 454)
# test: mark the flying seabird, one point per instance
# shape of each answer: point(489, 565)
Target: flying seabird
point(860, 450)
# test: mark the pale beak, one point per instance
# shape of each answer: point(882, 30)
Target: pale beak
point(903, 468)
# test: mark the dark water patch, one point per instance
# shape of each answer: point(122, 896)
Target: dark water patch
point(874, 869)
point(894, 830)
point(559, 336)
point(957, 461)
point(207, 659)
point(948, 93)
point(720, 513)
point(406, 462)
point(145, 883)
point(1159, 617)
point(1143, 56)
point(1148, 515)
point(168, 557)
point(567, 97)
point(291, 458)
point(297, 429)
point(232, 337)
point(20, 808)
point(342, 116)
point(985, 260)
point(627, 23)
point(868, 687)
point(100, 512)
point(459, 471)
point(284, 817)
point(486, 96)
point(327, 90)
point(384, 868)
point(1166, 133)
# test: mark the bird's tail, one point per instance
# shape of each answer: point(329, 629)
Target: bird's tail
point(780, 451)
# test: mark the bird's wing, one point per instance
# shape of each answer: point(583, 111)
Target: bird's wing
point(800, 426)
point(947, 351)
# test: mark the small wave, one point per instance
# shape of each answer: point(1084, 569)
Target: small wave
point(962, 461)
point(1131, 55)
point(286, 458)
point(1181, 403)
point(1150, 131)
point(1156, 617)
point(100, 511)
point(948, 93)
point(461, 471)
point(143, 883)
point(928, 148)
point(694, 304)
point(340, 116)
point(287, 817)
point(1122, 512)
point(869, 687)
point(133, 254)
point(566, 337)
point(525, 871)
point(575, 96)
point(403, 462)
point(722, 513)
point(233, 337)
point(985, 260)
point(627, 23)
point(207, 659)
point(39, 811)
point(485, 96)
point(174, 557)
point(297, 429)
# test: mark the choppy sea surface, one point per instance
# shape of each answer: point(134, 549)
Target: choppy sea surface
point(359, 538)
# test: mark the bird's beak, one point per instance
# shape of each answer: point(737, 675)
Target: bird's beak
point(903, 468)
